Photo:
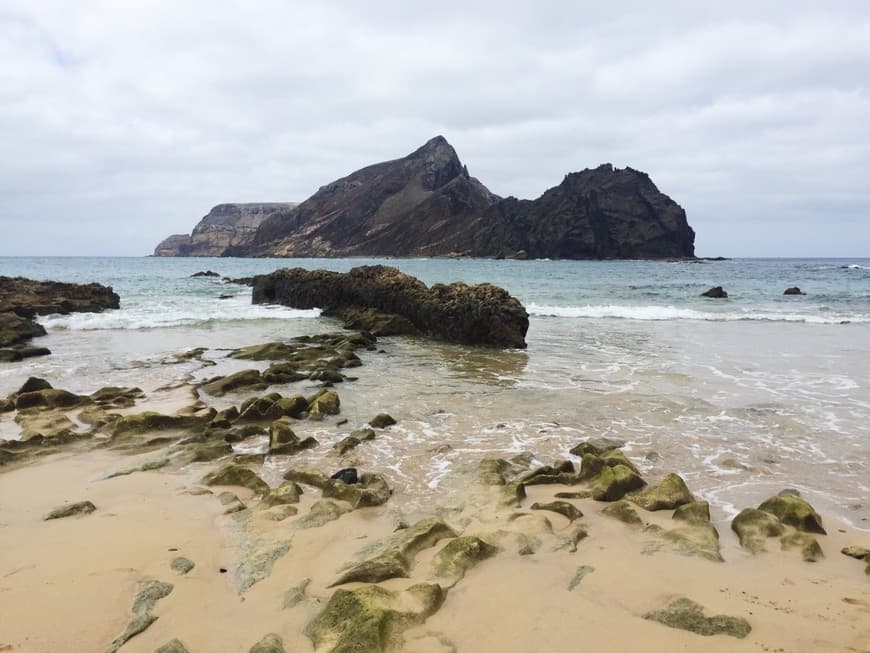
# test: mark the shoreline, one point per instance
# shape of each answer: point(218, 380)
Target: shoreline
point(510, 556)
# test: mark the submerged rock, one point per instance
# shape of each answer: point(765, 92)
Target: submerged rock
point(181, 565)
point(794, 290)
point(381, 420)
point(248, 380)
point(371, 490)
point(597, 446)
point(717, 292)
point(622, 511)
point(286, 493)
point(71, 510)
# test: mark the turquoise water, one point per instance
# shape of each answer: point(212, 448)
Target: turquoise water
point(742, 396)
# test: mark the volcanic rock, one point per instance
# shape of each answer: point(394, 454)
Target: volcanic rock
point(226, 226)
point(476, 315)
point(427, 204)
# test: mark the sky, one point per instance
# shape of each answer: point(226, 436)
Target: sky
point(124, 122)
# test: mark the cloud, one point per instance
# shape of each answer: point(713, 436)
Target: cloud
point(124, 122)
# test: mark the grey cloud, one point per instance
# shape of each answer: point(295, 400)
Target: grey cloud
point(121, 125)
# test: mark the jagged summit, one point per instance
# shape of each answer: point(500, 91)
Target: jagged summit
point(427, 204)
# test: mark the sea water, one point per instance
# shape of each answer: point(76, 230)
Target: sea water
point(742, 396)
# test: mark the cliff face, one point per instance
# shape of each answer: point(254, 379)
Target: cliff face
point(426, 204)
point(227, 226)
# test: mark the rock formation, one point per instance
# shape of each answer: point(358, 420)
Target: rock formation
point(22, 299)
point(368, 297)
point(226, 227)
point(427, 204)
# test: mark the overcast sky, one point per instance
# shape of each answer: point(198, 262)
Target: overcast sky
point(124, 122)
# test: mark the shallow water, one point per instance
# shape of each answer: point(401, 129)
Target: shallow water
point(742, 396)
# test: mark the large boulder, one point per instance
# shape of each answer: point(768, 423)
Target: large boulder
point(28, 298)
point(670, 493)
point(477, 315)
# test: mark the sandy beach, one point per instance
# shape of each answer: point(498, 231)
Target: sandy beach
point(69, 584)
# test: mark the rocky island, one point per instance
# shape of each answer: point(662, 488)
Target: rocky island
point(427, 204)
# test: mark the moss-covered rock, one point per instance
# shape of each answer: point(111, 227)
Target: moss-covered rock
point(181, 565)
point(150, 592)
point(312, 477)
point(698, 540)
point(460, 555)
point(33, 384)
point(685, 614)
point(71, 510)
point(561, 507)
point(287, 492)
point(792, 510)
point(45, 428)
point(258, 558)
point(696, 513)
point(371, 490)
point(579, 575)
point(346, 444)
point(753, 527)
point(596, 446)
point(247, 380)
point(321, 512)
point(624, 512)
point(149, 421)
point(324, 403)
point(172, 646)
point(293, 406)
point(492, 471)
point(613, 483)
point(559, 473)
point(857, 552)
point(235, 474)
point(616, 457)
point(50, 398)
point(261, 409)
point(381, 420)
point(670, 493)
point(116, 397)
point(202, 452)
point(398, 557)
point(283, 373)
point(296, 594)
point(269, 351)
point(271, 643)
point(811, 550)
point(371, 618)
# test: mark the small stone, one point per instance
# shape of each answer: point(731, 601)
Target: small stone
point(685, 614)
point(181, 565)
point(582, 572)
point(381, 420)
point(173, 646)
point(70, 510)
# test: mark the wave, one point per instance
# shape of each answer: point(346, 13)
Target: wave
point(658, 313)
point(195, 312)
point(855, 266)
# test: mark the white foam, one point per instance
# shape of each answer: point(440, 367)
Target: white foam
point(673, 313)
point(195, 311)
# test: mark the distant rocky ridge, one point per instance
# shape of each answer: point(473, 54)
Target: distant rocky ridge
point(226, 226)
point(427, 204)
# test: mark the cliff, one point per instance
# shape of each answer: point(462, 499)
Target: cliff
point(225, 227)
point(427, 204)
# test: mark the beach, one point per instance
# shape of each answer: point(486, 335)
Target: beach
point(741, 399)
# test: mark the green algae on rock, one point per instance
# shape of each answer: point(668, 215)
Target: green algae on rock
point(238, 475)
point(151, 591)
point(794, 511)
point(71, 510)
point(670, 493)
point(563, 508)
point(460, 555)
point(371, 618)
point(685, 614)
point(622, 511)
point(271, 643)
point(172, 646)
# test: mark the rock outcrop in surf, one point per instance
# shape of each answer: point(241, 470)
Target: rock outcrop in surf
point(385, 301)
point(427, 204)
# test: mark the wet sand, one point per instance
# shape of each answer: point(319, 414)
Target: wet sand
point(68, 585)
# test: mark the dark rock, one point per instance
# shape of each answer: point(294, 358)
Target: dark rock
point(71, 510)
point(207, 273)
point(717, 292)
point(347, 475)
point(244, 380)
point(49, 398)
point(685, 614)
point(32, 384)
point(20, 352)
point(624, 512)
point(381, 420)
point(562, 507)
point(477, 315)
point(461, 554)
point(15, 329)
point(370, 490)
point(151, 592)
point(753, 527)
point(28, 298)
point(794, 290)
point(426, 204)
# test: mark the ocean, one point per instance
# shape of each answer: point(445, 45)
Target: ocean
point(741, 396)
